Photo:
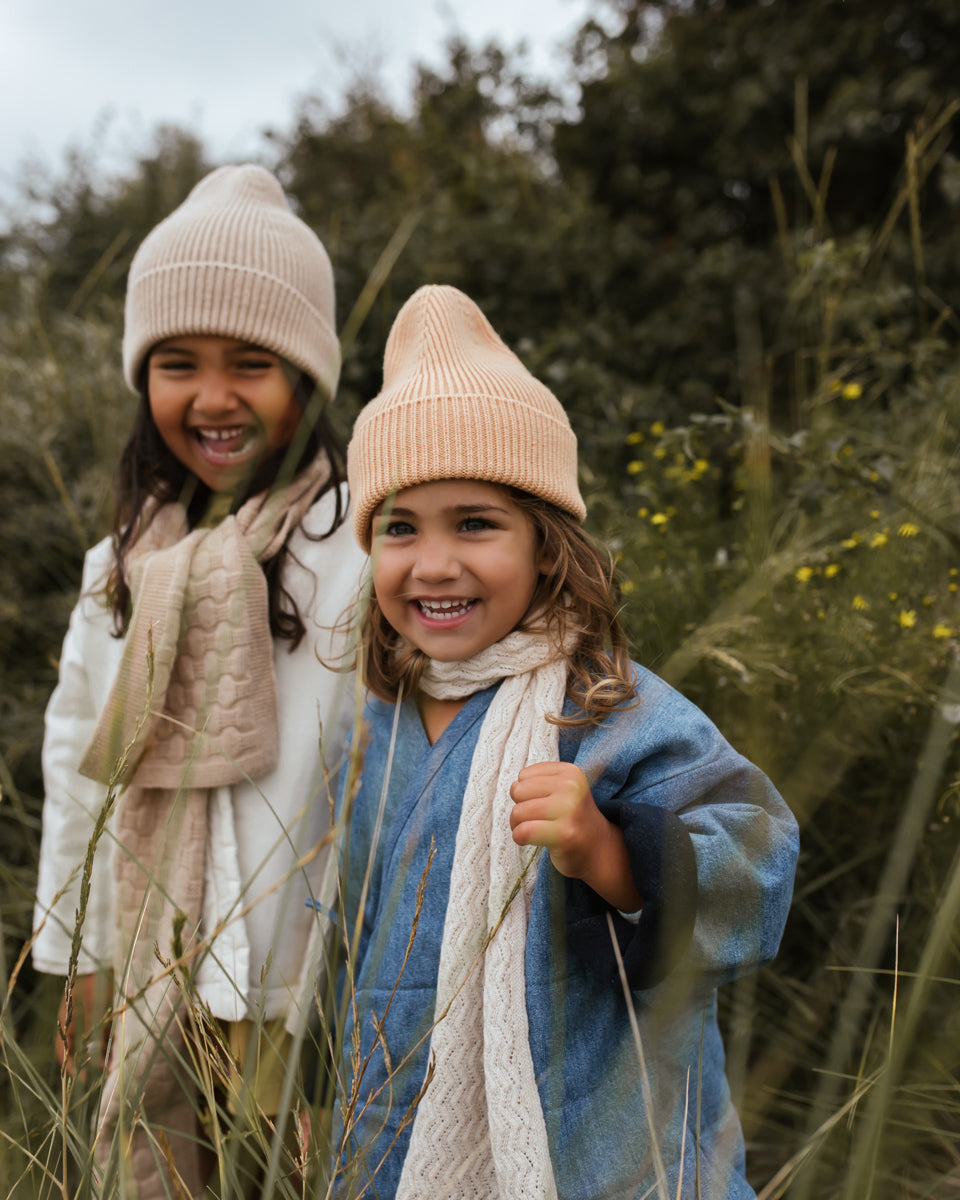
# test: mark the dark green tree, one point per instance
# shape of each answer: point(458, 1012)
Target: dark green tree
point(465, 180)
point(711, 131)
point(80, 230)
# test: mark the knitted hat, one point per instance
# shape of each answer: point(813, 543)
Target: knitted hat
point(234, 261)
point(457, 404)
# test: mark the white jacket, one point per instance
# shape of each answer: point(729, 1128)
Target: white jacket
point(257, 832)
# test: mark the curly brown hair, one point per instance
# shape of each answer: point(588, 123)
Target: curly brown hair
point(579, 599)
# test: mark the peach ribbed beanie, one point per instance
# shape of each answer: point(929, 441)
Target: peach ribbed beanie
point(457, 404)
point(234, 261)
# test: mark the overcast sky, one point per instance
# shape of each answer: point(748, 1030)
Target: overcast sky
point(224, 68)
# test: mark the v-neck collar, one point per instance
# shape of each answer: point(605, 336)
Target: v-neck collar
point(411, 725)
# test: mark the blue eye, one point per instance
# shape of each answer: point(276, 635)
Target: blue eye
point(397, 529)
point(475, 524)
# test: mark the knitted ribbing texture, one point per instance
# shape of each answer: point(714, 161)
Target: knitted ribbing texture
point(234, 261)
point(457, 403)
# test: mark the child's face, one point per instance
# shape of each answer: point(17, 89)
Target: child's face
point(220, 405)
point(455, 566)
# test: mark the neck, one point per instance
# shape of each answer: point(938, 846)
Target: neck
point(220, 506)
point(436, 714)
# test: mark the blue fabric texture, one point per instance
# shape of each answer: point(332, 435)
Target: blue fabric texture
point(631, 1079)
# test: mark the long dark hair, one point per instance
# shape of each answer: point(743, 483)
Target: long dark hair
point(147, 468)
point(579, 599)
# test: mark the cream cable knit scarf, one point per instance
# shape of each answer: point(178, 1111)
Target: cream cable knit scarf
point(193, 707)
point(479, 1131)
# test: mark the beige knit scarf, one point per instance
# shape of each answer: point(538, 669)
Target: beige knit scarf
point(193, 707)
point(479, 1131)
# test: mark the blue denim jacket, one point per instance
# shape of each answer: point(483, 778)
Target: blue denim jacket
point(633, 1091)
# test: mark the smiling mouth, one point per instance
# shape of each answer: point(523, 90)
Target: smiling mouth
point(445, 610)
point(225, 443)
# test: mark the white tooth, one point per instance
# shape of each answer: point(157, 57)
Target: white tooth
point(444, 608)
point(220, 435)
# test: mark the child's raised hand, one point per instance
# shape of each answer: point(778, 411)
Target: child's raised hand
point(554, 808)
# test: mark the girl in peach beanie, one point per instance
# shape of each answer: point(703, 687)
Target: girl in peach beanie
point(550, 859)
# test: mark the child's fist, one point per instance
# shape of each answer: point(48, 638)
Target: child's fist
point(553, 807)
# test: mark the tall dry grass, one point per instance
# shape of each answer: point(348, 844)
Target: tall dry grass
point(797, 576)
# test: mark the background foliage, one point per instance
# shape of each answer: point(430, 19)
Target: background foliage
point(736, 263)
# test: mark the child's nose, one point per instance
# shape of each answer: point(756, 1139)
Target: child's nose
point(436, 563)
point(215, 396)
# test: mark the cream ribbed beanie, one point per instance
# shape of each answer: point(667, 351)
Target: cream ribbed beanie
point(457, 404)
point(234, 261)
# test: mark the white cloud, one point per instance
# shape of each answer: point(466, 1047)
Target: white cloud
point(224, 69)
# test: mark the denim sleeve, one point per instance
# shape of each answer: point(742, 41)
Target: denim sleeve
point(712, 847)
point(665, 871)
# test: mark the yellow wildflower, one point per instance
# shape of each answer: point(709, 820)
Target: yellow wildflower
point(701, 465)
point(852, 391)
point(850, 542)
point(831, 569)
point(893, 597)
point(634, 439)
point(878, 539)
point(942, 631)
point(907, 618)
point(953, 572)
point(659, 452)
point(846, 450)
point(659, 518)
point(635, 466)
point(804, 574)
point(820, 614)
point(952, 587)
point(657, 428)
point(642, 512)
point(627, 586)
point(835, 385)
point(860, 603)
point(875, 514)
point(908, 530)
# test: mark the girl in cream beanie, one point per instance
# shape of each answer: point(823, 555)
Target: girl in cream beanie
point(190, 686)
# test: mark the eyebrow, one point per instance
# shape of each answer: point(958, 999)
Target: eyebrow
point(457, 509)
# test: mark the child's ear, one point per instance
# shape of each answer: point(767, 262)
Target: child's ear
point(546, 563)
